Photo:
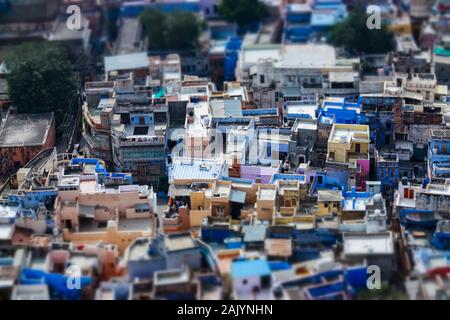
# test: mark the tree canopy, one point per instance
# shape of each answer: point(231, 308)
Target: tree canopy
point(244, 12)
point(171, 31)
point(40, 78)
point(354, 35)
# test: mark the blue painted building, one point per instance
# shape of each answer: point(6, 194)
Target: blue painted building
point(379, 112)
point(33, 198)
point(301, 21)
point(439, 154)
point(339, 110)
point(386, 166)
point(135, 8)
point(327, 13)
point(231, 57)
point(297, 19)
point(332, 179)
point(248, 274)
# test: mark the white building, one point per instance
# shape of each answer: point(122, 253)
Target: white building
point(297, 72)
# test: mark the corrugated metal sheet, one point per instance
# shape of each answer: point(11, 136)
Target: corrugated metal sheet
point(199, 169)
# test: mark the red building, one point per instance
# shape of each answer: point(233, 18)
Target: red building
point(24, 135)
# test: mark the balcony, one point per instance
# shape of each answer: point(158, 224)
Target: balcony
point(312, 86)
point(157, 140)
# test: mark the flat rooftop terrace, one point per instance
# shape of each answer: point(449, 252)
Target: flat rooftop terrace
point(345, 134)
point(25, 130)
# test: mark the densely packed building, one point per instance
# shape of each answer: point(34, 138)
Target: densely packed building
point(287, 170)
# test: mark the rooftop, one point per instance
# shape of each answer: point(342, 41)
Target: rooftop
point(182, 241)
point(30, 292)
point(308, 56)
point(127, 62)
point(250, 268)
point(254, 233)
point(345, 133)
point(368, 243)
point(226, 108)
point(25, 129)
point(170, 277)
point(195, 169)
point(329, 195)
point(266, 194)
point(304, 124)
point(6, 231)
point(305, 110)
point(7, 212)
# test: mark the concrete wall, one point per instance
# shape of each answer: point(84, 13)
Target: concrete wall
point(122, 239)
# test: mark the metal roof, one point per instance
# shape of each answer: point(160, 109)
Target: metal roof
point(127, 62)
point(226, 108)
point(198, 169)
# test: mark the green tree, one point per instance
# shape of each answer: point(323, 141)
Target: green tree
point(183, 30)
point(40, 78)
point(244, 12)
point(171, 31)
point(353, 34)
point(154, 22)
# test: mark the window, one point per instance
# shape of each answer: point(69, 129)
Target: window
point(406, 193)
point(357, 148)
point(265, 281)
point(220, 210)
point(262, 78)
point(142, 170)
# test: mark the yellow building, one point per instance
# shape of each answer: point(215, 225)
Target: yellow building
point(329, 202)
point(265, 203)
point(348, 142)
point(348, 145)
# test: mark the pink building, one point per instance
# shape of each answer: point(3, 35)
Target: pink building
point(259, 173)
